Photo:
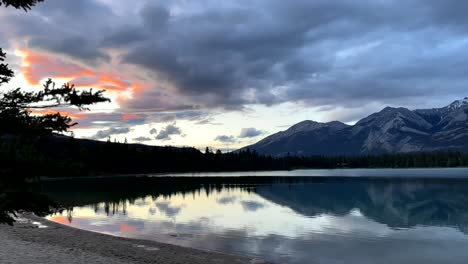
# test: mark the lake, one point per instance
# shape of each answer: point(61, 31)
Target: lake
point(381, 217)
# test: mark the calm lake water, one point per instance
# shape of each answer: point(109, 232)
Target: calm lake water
point(383, 219)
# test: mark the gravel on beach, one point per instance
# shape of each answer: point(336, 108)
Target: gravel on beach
point(35, 240)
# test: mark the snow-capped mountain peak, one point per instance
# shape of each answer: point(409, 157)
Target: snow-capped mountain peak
point(458, 103)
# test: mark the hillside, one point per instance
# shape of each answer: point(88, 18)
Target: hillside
point(392, 130)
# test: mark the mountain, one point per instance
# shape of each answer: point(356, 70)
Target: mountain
point(392, 130)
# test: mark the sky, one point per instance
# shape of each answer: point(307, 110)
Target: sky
point(227, 73)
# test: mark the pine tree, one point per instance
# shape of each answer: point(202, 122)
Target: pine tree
point(15, 105)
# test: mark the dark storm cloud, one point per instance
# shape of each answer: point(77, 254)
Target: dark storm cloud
point(322, 52)
point(226, 54)
point(75, 46)
point(123, 37)
point(71, 28)
point(155, 17)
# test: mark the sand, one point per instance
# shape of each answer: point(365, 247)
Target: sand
point(36, 240)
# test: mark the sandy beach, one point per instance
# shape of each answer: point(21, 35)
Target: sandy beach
point(35, 240)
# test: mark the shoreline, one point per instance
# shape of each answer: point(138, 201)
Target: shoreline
point(36, 240)
point(266, 174)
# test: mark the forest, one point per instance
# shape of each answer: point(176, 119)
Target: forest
point(27, 156)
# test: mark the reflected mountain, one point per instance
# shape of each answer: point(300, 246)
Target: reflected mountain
point(397, 203)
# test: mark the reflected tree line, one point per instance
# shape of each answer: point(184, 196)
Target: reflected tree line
point(398, 203)
point(15, 202)
point(120, 190)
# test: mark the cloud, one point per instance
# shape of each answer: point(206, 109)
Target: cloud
point(304, 54)
point(99, 119)
point(251, 206)
point(167, 209)
point(142, 139)
point(227, 200)
point(225, 139)
point(77, 47)
point(109, 132)
point(95, 119)
point(123, 37)
point(222, 55)
point(153, 131)
point(168, 131)
point(208, 121)
point(77, 40)
point(250, 132)
point(38, 66)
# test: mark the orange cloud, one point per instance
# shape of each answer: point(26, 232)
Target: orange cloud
point(36, 67)
point(126, 117)
point(74, 116)
point(114, 80)
point(123, 89)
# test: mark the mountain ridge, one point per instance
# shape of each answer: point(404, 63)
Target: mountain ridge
point(391, 130)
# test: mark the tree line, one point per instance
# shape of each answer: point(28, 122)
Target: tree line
point(26, 156)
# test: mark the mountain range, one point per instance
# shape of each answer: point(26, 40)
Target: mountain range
point(392, 130)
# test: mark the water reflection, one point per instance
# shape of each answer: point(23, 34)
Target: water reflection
point(398, 204)
point(293, 221)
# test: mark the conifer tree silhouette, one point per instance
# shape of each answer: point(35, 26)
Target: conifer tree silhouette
point(16, 105)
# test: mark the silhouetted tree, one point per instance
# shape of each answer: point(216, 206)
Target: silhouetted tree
point(16, 105)
point(5, 73)
point(23, 4)
point(14, 202)
point(207, 151)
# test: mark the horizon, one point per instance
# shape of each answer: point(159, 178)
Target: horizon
point(202, 148)
point(226, 75)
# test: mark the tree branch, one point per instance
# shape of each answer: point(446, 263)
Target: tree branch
point(26, 5)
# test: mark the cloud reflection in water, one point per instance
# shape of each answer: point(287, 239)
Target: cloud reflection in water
point(380, 221)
